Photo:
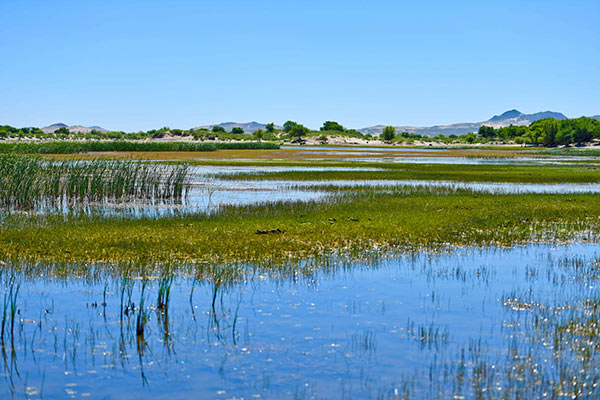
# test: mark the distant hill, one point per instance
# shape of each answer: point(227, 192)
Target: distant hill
point(515, 117)
point(595, 117)
point(511, 117)
point(248, 127)
point(73, 128)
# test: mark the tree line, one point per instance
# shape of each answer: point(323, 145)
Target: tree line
point(547, 132)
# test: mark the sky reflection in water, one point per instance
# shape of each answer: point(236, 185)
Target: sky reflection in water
point(421, 324)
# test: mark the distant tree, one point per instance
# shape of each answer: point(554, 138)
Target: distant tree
point(259, 134)
point(298, 131)
point(288, 125)
point(218, 129)
point(584, 129)
point(470, 137)
point(237, 130)
point(564, 136)
point(62, 131)
point(332, 126)
point(548, 129)
point(487, 132)
point(270, 127)
point(389, 133)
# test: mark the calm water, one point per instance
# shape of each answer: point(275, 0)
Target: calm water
point(487, 323)
point(364, 148)
point(208, 192)
point(431, 156)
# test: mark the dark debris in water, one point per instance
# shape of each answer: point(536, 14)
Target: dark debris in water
point(269, 232)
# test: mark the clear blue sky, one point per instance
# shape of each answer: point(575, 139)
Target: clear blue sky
point(137, 65)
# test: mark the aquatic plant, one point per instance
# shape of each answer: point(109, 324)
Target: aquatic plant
point(164, 291)
point(142, 316)
point(72, 147)
point(9, 309)
point(30, 182)
point(354, 224)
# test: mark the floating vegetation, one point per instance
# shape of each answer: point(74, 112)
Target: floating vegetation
point(33, 183)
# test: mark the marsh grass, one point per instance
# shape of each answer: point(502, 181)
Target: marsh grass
point(73, 147)
point(570, 151)
point(30, 182)
point(353, 224)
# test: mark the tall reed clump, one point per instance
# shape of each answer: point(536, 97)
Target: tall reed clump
point(30, 182)
point(72, 147)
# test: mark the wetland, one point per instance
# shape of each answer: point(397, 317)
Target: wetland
point(315, 272)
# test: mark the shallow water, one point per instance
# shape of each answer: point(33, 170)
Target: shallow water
point(424, 156)
point(208, 193)
point(484, 187)
point(474, 322)
point(363, 148)
point(480, 160)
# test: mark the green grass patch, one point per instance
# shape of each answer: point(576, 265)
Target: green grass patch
point(352, 224)
point(570, 151)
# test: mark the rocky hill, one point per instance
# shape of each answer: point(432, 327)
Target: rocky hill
point(72, 128)
point(511, 117)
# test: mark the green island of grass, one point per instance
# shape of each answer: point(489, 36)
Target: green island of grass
point(353, 224)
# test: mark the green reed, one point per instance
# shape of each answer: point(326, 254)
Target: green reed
point(164, 291)
point(142, 316)
point(72, 147)
point(30, 182)
point(9, 308)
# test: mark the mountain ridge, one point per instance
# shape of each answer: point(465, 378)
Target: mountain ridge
point(510, 117)
point(72, 128)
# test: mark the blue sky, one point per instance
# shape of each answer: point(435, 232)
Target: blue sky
point(138, 65)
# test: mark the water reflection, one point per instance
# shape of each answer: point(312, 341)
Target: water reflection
point(475, 323)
